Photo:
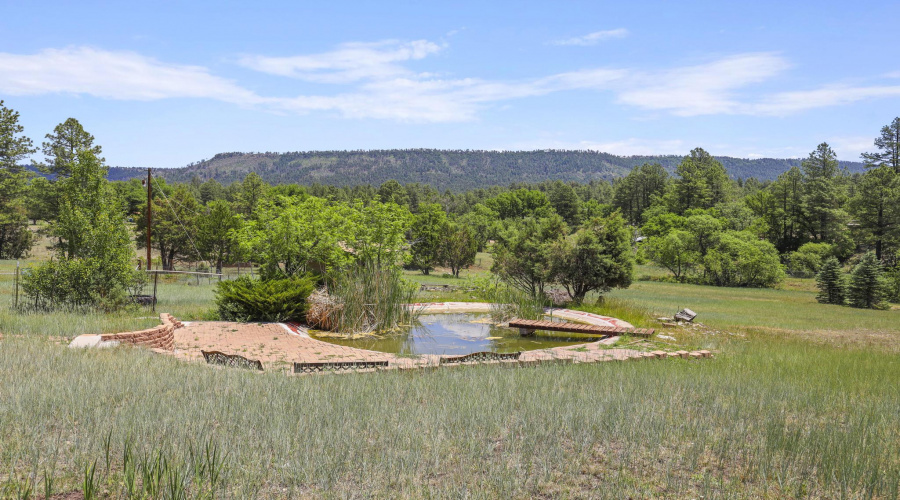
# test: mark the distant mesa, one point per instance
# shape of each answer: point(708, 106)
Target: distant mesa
point(457, 170)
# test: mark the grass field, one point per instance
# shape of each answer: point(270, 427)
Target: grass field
point(800, 400)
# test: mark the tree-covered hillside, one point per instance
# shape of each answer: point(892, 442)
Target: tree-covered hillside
point(457, 170)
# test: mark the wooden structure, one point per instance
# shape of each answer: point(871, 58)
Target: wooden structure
point(527, 327)
point(481, 357)
point(235, 360)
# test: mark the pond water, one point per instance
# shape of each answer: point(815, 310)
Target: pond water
point(456, 334)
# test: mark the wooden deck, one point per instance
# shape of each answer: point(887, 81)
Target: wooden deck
point(528, 327)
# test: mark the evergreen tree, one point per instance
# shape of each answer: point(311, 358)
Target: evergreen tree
point(832, 283)
point(459, 248)
point(63, 145)
point(868, 287)
point(635, 193)
point(250, 193)
point(565, 201)
point(702, 183)
point(889, 145)
point(15, 238)
point(823, 194)
point(876, 207)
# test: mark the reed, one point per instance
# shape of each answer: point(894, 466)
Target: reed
point(367, 299)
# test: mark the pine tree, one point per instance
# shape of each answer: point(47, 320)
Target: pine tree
point(868, 287)
point(888, 143)
point(15, 238)
point(832, 283)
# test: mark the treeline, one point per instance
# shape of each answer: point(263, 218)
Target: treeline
point(700, 223)
point(456, 170)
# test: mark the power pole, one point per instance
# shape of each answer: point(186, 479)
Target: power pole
point(149, 216)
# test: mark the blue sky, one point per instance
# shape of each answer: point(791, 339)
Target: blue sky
point(162, 84)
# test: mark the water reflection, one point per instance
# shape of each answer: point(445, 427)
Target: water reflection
point(455, 334)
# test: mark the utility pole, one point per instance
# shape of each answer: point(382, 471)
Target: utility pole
point(149, 216)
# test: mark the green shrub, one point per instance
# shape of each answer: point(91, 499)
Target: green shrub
point(247, 299)
point(808, 259)
point(741, 259)
point(76, 284)
point(832, 283)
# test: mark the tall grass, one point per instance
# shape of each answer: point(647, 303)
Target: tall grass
point(762, 420)
point(367, 298)
point(508, 303)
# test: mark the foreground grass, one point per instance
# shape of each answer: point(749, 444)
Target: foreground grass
point(759, 420)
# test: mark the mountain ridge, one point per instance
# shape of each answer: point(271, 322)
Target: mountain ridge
point(456, 170)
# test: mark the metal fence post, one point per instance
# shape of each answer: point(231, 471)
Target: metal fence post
point(155, 278)
point(17, 284)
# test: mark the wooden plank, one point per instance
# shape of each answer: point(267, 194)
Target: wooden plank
point(550, 326)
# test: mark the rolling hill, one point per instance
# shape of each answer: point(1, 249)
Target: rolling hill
point(457, 170)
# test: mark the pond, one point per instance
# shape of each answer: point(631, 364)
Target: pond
point(456, 334)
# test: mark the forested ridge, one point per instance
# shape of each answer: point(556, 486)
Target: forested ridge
point(457, 170)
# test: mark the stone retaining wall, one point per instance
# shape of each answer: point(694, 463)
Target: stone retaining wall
point(159, 337)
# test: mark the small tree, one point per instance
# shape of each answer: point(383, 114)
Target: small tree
point(522, 253)
point(426, 233)
point(868, 287)
point(596, 258)
point(674, 251)
point(832, 283)
point(217, 230)
point(95, 254)
point(459, 248)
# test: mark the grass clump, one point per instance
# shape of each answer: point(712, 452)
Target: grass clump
point(367, 298)
point(247, 299)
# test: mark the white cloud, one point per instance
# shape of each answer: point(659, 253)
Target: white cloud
point(851, 147)
point(350, 62)
point(112, 75)
point(593, 38)
point(784, 103)
point(703, 89)
point(377, 80)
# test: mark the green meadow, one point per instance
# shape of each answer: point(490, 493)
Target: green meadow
point(800, 400)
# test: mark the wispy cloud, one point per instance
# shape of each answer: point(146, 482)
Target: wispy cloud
point(113, 75)
point(705, 89)
point(785, 103)
point(378, 80)
point(593, 38)
point(350, 62)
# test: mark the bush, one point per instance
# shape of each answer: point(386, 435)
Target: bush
point(247, 299)
point(808, 259)
point(832, 283)
point(868, 287)
point(75, 284)
point(741, 259)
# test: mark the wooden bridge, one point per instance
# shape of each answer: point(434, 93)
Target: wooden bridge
point(527, 328)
